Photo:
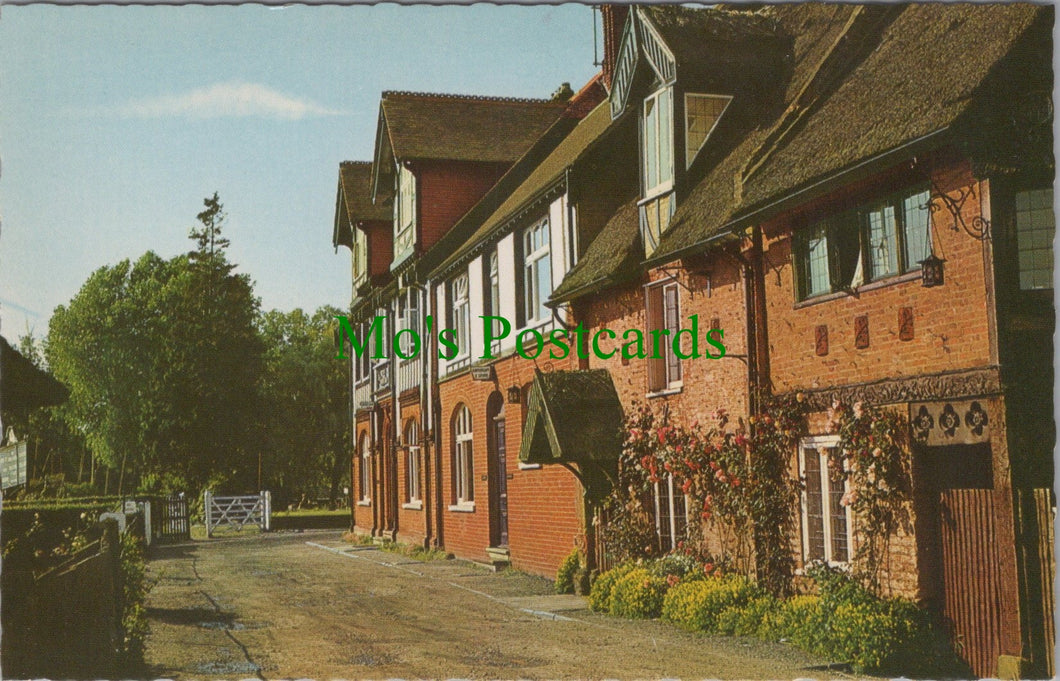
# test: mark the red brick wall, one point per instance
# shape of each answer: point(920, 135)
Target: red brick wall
point(708, 384)
point(363, 520)
point(545, 519)
point(950, 321)
point(412, 523)
point(447, 190)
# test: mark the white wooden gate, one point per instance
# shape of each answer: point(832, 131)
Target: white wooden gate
point(236, 512)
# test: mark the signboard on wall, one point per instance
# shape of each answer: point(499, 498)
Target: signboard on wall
point(13, 465)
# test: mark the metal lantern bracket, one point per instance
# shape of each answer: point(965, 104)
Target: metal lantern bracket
point(978, 228)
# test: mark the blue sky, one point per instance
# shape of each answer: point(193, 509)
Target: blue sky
point(116, 122)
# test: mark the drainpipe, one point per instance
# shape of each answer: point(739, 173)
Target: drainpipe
point(763, 385)
point(426, 450)
point(395, 428)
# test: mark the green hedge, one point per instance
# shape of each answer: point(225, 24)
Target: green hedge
point(844, 623)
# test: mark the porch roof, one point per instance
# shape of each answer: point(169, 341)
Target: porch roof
point(572, 417)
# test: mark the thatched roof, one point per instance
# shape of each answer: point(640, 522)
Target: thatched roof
point(613, 257)
point(354, 202)
point(866, 80)
point(557, 430)
point(539, 178)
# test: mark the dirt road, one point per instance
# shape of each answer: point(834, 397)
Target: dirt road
point(307, 605)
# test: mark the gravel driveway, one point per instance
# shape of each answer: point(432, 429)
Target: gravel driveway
point(308, 605)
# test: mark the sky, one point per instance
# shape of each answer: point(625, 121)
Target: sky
point(116, 123)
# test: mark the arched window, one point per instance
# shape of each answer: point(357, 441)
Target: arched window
point(463, 463)
point(366, 469)
point(412, 462)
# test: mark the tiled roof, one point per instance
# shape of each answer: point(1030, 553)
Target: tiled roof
point(542, 177)
point(354, 202)
point(464, 128)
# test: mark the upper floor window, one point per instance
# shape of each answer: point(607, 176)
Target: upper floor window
point(1035, 226)
point(537, 273)
point(876, 241)
point(701, 115)
point(663, 315)
point(360, 255)
point(409, 319)
point(826, 516)
point(657, 143)
point(404, 211)
point(412, 462)
point(493, 291)
point(463, 462)
point(460, 313)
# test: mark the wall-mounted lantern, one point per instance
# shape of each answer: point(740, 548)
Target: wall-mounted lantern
point(932, 272)
point(514, 394)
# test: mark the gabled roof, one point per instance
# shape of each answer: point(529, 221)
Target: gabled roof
point(417, 126)
point(908, 79)
point(354, 202)
point(543, 176)
point(612, 257)
point(557, 430)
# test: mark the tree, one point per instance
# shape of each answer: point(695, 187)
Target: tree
point(305, 405)
point(162, 359)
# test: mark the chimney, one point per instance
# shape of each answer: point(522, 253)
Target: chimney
point(614, 20)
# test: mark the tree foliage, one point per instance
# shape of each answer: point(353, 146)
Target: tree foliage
point(162, 359)
point(305, 405)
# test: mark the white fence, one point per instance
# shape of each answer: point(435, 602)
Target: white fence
point(237, 512)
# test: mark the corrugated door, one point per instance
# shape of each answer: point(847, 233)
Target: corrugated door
point(973, 601)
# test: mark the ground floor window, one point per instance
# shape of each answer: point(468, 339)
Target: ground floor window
point(366, 469)
point(463, 463)
point(826, 519)
point(671, 513)
point(412, 462)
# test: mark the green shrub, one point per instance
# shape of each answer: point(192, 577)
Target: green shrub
point(746, 619)
point(639, 595)
point(565, 575)
point(602, 587)
point(135, 587)
point(696, 604)
point(677, 564)
point(798, 620)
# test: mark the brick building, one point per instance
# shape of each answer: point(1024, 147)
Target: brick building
point(855, 200)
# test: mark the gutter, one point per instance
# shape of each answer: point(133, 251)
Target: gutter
point(808, 192)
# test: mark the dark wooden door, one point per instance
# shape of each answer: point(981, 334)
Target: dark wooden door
point(500, 489)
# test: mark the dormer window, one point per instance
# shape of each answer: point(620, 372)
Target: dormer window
point(404, 212)
point(360, 255)
point(702, 113)
point(658, 143)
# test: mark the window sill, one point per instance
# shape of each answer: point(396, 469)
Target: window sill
point(915, 275)
point(413, 505)
point(529, 466)
point(463, 507)
point(676, 389)
point(364, 502)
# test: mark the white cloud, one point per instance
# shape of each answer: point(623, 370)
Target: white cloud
point(226, 100)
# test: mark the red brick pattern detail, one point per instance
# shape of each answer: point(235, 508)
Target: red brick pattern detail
point(861, 332)
point(905, 323)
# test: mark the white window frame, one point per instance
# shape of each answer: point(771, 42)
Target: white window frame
point(654, 139)
point(366, 470)
point(463, 461)
point(460, 306)
point(404, 211)
point(819, 444)
point(408, 319)
point(493, 294)
point(413, 501)
point(360, 255)
point(675, 497)
point(537, 263)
